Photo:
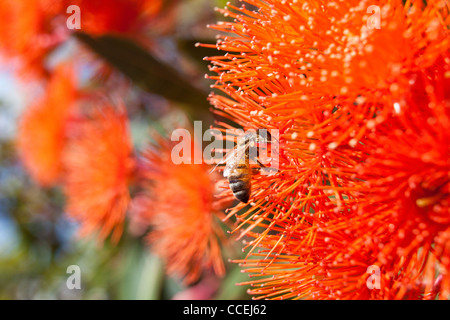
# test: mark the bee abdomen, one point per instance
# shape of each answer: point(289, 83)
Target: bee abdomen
point(240, 188)
point(242, 195)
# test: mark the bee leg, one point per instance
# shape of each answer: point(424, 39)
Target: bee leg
point(260, 164)
point(257, 170)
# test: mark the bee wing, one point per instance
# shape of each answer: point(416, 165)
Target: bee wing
point(228, 156)
point(232, 156)
point(235, 159)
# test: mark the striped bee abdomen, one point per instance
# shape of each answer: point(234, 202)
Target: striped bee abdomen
point(240, 184)
point(238, 171)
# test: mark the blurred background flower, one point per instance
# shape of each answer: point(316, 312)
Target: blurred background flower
point(99, 165)
point(43, 127)
point(178, 204)
point(78, 113)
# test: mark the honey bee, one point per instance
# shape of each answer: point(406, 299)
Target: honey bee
point(237, 169)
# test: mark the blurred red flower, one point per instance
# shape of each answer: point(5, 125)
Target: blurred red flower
point(125, 17)
point(43, 127)
point(99, 166)
point(30, 31)
point(179, 206)
point(34, 28)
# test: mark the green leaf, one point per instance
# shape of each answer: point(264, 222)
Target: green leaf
point(148, 72)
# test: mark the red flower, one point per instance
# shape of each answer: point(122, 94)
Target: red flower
point(180, 207)
point(99, 166)
point(43, 127)
point(30, 31)
point(117, 16)
point(400, 223)
point(350, 104)
point(34, 28)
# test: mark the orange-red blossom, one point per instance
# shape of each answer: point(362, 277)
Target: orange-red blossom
point(363, 116)
point(178, 203)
